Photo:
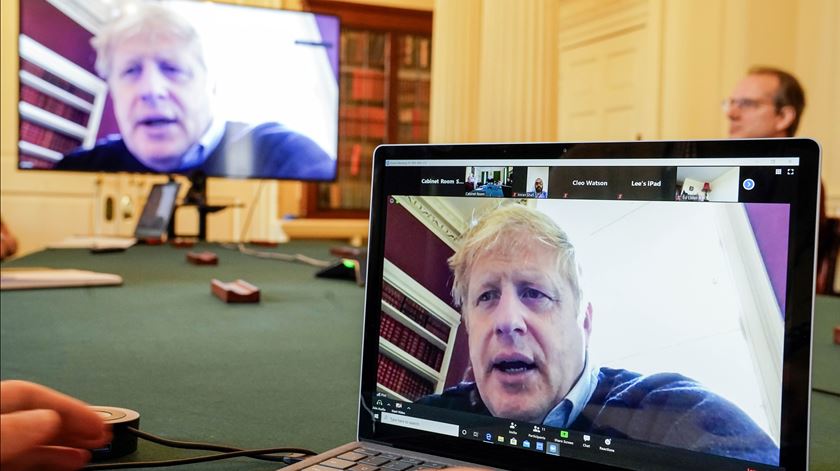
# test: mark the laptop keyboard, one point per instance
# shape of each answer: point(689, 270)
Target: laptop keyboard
point(365, 459)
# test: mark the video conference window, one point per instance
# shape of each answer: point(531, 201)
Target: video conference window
point(494, 182)
point(537, 182)
point(161, 88)
point(707, 184)
point(547, 312)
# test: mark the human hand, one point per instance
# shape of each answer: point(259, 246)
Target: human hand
point(43, 429)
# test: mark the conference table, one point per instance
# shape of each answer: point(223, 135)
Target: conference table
point(281, 372)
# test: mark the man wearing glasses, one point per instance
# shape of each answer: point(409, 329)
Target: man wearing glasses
point(768, 102)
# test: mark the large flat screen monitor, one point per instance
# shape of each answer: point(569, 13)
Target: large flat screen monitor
point(178, 87)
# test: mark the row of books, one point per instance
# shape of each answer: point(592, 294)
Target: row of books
point(413, 133)
point(53, 105)
point(416, 52)
point(349, 194)
point(410, 342)
point(363, 48)
point(369, 129)
point(355, 161)
point(363, 85)
point(414, 92)
point(56, 80)
point(47, 138)
point(397, 378)
point(361, 112)
point(360, 149)
point(392, 295)
point(415, 312)
point(414, 116)
point(367, 48)
point(436, 326)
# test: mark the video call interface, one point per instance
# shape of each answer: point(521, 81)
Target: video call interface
point(258, 99)
point(658, 350)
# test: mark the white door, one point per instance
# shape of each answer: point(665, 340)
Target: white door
point(603, 95)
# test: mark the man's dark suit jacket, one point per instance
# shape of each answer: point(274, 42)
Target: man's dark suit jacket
point(267, 150)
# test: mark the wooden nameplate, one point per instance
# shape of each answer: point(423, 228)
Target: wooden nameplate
point(202, 258)
point(33, 278)
point(239, 291)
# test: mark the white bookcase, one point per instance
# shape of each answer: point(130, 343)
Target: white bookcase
point(427, 307)
point(57, 70)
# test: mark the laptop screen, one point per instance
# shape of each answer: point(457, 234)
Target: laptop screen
point(616, 311)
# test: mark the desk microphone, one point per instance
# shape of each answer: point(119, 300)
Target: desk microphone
point(123, 441)
point(125, 428)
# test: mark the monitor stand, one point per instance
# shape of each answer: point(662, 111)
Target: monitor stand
point(196, 196)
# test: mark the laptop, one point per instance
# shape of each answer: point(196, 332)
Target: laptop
point(152, 225)
point(157, 212)
point(629, 305)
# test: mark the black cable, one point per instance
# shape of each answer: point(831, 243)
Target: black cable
point(229, 452)
point(183, 461)
point(208, 446)
point(826, 391)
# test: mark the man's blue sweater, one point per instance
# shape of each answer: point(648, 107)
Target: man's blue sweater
point(268, 150)
point(665, 409)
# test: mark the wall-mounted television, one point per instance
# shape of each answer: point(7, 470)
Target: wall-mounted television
point(178, 87)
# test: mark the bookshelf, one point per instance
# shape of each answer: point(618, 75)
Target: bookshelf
point(60, 105)
point(416, 337)
point(385, 80)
